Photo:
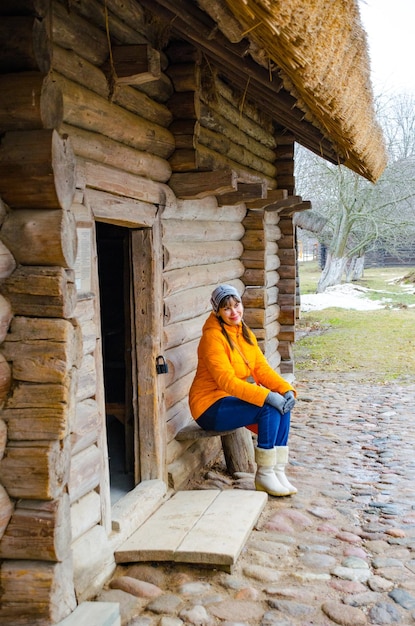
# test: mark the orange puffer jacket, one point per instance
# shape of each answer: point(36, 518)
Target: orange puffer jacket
point(222, 371)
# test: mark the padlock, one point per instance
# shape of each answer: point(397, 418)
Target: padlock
point(161, 365)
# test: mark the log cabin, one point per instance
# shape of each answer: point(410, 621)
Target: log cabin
point(146, 155)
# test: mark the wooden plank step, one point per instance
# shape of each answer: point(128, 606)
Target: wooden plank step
point(94, 614)
point(207, 527)
point(220, 534)
point(159, 537)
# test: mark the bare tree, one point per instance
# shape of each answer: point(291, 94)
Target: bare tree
point(357, 213)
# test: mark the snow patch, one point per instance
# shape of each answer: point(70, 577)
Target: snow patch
point(345, 296)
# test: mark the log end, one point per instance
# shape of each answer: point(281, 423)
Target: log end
point(6, 510)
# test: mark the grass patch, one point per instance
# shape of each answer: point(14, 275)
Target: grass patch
point(377, 345)
point(379, 279)
point(309, 276)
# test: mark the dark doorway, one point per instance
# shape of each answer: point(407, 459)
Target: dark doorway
point(113, 247)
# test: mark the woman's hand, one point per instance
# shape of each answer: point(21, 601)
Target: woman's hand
point(284, 403)
point(276, 400)
point(289, 401)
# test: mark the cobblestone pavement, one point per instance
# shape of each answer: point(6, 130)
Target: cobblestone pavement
point(341, 551)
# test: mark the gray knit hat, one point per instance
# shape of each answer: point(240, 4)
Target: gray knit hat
point(220, 293)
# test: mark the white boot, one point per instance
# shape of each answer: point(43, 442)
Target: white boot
point(265, 477)
point(279, 468)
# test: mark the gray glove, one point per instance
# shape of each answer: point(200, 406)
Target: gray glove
point(289, 401)
point(276, 400)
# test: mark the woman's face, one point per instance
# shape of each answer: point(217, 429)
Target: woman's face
point(232, 312)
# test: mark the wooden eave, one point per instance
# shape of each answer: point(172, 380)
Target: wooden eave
point(264, 87)
point(320, 50)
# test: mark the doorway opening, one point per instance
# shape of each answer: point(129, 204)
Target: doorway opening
point(117, 314)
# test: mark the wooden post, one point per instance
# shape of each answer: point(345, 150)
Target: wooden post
point(238, 450)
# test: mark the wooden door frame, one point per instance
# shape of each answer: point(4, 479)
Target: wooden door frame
point(152, 417)
point(149, 416)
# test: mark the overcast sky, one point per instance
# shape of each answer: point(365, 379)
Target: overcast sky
point(389, 25)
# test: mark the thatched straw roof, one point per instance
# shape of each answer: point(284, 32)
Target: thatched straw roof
point(321, 50)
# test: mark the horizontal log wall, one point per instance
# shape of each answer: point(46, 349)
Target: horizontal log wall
point(121, 142)
point(52, 444)
point(115, 149)
point(40, 353)
point(213, 127)
point(236, 129)
point(202, 247)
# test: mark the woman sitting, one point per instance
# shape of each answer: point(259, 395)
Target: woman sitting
point(222, 398)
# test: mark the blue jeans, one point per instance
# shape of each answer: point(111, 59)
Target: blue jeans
point(230, 412)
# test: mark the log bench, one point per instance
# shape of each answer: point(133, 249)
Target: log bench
point(237, 445)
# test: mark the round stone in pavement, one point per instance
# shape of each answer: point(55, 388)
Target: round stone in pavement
point(273, 618)
point(344, 615)
point(237, 611)
point(384, 613)
point(167, 603)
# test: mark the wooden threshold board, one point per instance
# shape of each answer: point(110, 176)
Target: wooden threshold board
point(208, 527)
point(94, 613)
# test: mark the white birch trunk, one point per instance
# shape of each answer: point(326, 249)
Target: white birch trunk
point(354, 268)
point(332, 273)
point(358, 268)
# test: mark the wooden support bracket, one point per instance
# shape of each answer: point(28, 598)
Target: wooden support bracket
point(304, 205)
point(244, 192)
point(273, 195)
point(289, 205)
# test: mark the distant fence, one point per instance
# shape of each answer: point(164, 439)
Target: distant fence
point(311, 250)
point(404, 256)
